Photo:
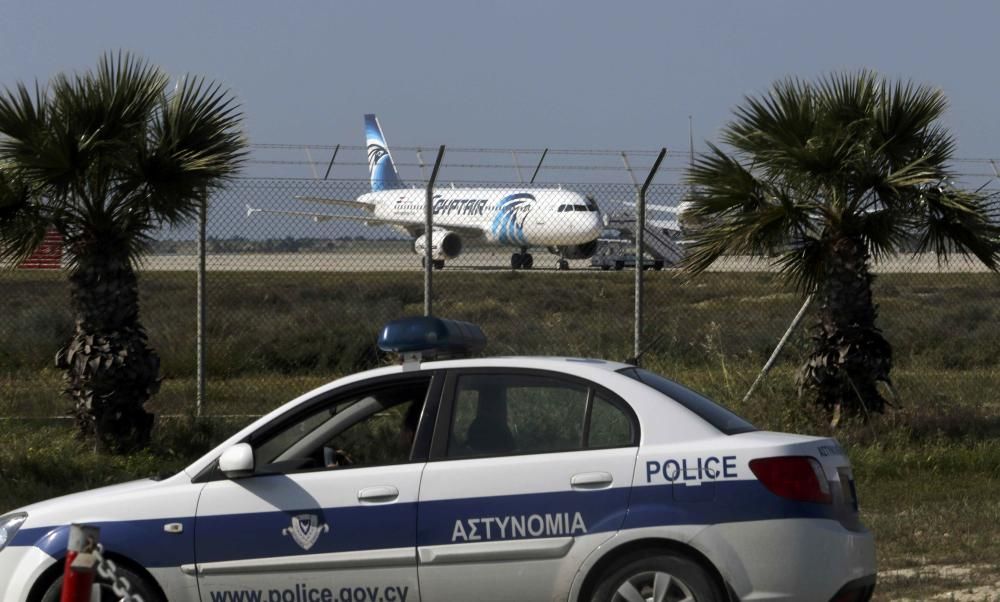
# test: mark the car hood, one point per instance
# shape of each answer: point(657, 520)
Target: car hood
point(99, 504)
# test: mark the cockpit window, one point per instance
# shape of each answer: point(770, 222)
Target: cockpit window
point(562, 208)
point(580, 207)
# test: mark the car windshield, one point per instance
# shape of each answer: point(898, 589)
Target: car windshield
point(709, 411)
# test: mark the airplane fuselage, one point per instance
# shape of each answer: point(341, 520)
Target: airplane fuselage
point(517, 217)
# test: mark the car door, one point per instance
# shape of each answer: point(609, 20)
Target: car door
point(329, 512)
point(529, 472)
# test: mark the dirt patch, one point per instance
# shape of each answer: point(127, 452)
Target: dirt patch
point(956, 583)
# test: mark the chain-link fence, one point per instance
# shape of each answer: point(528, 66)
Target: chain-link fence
point(301, 273)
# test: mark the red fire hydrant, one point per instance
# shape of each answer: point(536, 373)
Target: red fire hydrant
point(78, 576)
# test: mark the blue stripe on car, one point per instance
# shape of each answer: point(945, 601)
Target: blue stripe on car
point(364, 528)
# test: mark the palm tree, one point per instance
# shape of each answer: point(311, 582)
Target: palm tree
point(823, 178)
point(106, 157)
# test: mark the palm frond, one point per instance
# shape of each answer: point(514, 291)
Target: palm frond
point(22, 222)
point(803, 264)
point(196, 146)
point(955, 220)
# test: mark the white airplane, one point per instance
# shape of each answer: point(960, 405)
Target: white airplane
point(564, 222)
point(665, 217)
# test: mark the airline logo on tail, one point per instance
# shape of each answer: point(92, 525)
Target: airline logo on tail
point(383, 172)
point(508, 225)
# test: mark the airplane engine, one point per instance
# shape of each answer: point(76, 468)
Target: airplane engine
point(444, 245)
point(584, 251)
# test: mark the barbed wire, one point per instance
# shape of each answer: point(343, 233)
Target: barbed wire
point(454, 165)
point(460, 149)
point(676, 154)
point(676, 157)
point(511, 166)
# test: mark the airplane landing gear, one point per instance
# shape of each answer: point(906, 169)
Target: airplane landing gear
point(437, 264)
point(562, 265)
point(521, 261)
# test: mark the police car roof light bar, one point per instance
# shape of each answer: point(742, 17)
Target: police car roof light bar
point(425, 337)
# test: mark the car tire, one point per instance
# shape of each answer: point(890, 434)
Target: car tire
point(139, 586)
point(657, 577)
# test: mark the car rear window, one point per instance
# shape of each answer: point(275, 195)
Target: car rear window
point(711, 412)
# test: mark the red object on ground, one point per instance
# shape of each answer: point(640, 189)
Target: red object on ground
point(78, 576)
point(48, 256)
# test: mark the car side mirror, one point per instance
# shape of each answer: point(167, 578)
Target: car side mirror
point(237, 461)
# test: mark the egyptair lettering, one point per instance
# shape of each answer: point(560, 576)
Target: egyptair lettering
point(443, 206)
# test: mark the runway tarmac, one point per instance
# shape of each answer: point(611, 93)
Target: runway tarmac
point(484, 261)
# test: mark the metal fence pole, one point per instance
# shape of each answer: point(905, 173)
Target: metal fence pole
point(539, 166)
point(332, 159)
point(517, 167)
point(420, 162)
point(429, 232)
point(777, 350)
point(202, 227)
point(640, 228)
point(628, 169)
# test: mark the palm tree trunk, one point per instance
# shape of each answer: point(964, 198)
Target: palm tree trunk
point(110, 370)
point(850, 355)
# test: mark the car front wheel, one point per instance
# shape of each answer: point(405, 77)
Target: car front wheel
point(657, 578)
point(138, 587)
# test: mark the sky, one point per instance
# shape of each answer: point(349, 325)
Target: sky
point(518, 74)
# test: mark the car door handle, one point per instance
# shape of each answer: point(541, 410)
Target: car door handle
point(591, 480)
point(381, 493)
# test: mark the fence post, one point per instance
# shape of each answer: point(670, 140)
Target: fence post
point(781, 345)
point(517, 167)
point(78, 574)
point(420, 162)
point(200, 343)
point(640, 229)
point(429, 232)
point(539, 166)
point(332, 159)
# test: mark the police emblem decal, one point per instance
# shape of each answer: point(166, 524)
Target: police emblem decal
point(305, 530)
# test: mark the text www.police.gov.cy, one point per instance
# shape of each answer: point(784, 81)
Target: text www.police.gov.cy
point(305, 593)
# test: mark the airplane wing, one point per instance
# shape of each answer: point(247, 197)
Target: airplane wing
point(325, 217)
point(340, 202)
point(408, 225)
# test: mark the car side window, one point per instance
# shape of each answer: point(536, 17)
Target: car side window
point(610, 426)
point(506, 414)
point(373, 427)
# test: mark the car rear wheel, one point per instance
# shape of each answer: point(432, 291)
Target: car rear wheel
point(657, 578)
point(139, 587)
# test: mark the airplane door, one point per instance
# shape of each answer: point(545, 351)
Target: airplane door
point(330, 512)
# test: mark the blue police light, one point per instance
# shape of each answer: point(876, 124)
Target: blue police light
point(429, 336)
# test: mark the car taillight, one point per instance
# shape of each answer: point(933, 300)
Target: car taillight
point(794, 477)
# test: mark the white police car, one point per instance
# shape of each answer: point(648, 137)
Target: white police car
point(521, 478)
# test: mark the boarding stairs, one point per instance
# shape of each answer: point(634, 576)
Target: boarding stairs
point(660, 243)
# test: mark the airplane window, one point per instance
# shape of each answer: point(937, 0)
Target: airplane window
point(562, 208)
point(580, 207)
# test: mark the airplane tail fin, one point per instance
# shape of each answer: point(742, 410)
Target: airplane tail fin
point(383, 172)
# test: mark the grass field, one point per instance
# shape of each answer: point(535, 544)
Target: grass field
point(928, 473)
